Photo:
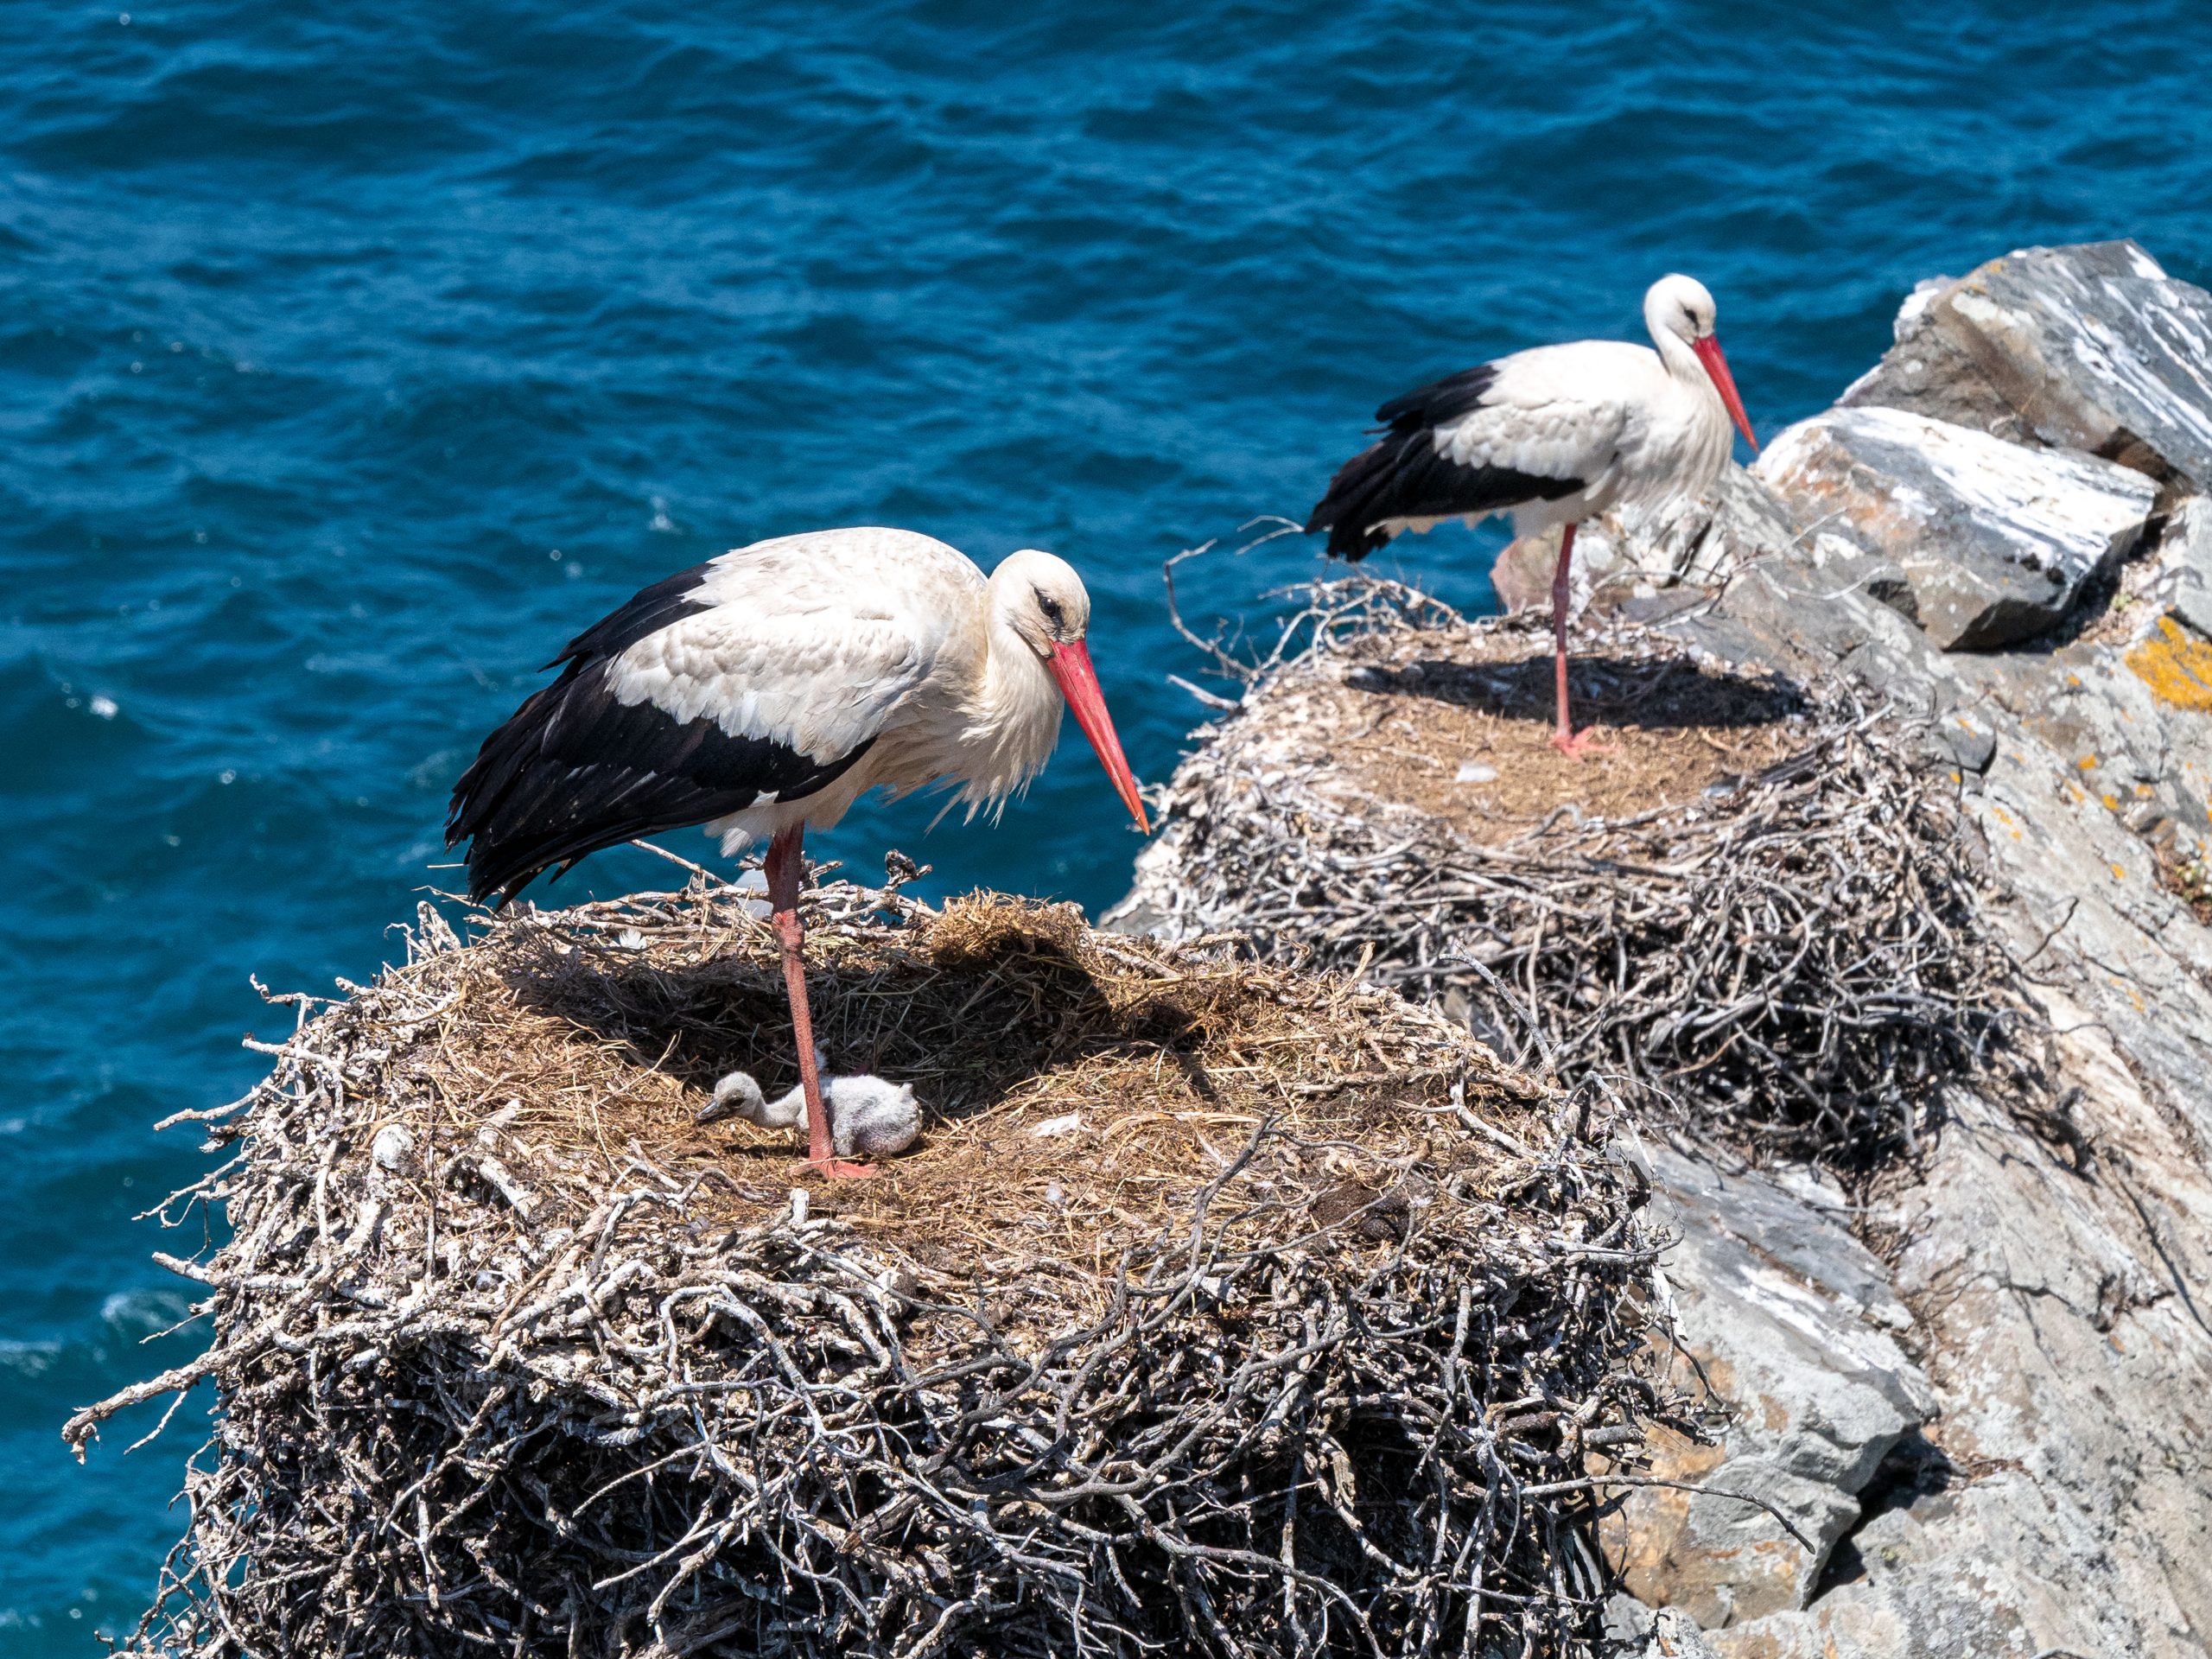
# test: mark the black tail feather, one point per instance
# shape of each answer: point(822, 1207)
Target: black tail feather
point(1402, 475)
point(1345, 510)
point(575, 770)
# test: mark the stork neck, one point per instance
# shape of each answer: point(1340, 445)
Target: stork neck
point(1006, 654)
point(1682, 362)
point(1013, 714)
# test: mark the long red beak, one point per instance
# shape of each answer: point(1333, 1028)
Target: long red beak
point(1708, 352)
point(1071, 666)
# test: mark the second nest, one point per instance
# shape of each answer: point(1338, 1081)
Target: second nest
point(1755, 910)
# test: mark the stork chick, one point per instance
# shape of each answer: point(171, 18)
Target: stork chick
point(869, 1116)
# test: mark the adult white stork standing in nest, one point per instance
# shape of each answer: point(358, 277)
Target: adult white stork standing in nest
point(1552, 435)
point(767, 690)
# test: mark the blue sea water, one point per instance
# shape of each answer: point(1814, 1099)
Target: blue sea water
point(352, 357)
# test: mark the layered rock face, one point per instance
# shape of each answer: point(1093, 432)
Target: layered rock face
point(1794, 1327)
point(1999, 529)
point(1992, 543)
point(2090, 348)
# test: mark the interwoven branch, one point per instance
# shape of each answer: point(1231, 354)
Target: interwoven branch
point(1793, 960)
point(1338, 1396)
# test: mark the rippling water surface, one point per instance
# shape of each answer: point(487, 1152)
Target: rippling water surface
point(353, 356)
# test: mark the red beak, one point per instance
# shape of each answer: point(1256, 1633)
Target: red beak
point(1071, 666)
point(1708, 352)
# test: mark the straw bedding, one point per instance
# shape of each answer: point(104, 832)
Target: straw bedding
point(1223, 1309)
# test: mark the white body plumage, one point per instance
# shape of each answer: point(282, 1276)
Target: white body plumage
point(869, 1116)
point(766, 691)
point(1550, 435)
point(824, 641)
point(1634, 425)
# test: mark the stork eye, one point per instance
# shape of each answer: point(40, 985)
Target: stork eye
point(1051, 607)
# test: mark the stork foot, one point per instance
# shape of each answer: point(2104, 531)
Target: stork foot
point(1575, 744)
point(839, 1169)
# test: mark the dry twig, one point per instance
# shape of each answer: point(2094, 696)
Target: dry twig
point(1297, 1348)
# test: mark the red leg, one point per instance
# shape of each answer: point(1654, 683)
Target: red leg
point(1563, 737)
point(784, 868)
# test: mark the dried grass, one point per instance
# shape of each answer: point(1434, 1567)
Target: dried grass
point(1758, 915)
point(1299, 1344)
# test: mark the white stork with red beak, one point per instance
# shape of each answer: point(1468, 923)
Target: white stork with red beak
point(765, 691)
point(1552, 435)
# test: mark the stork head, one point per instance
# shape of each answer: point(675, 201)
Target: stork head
point(1044, 603)
point(1040, 596)
point(1681, 307)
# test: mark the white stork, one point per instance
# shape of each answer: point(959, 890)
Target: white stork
point(767, 690)
point(1552, 435)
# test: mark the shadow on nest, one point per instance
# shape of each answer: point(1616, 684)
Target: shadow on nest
point(1222, 1308)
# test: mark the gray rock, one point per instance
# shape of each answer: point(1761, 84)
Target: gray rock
point(2059, 1267)
point(2071, 1518)
point(2184, 583)
point(1930, 372)
point(1995, 540)
point(2092, 347)
point(1632, 1630)
point(1790, 1323)
point(2097, 348)
point(1972, 743)
point(1706, 541)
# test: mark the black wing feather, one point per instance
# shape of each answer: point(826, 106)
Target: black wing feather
point(647, 611)
point(1401, 475)
point(574, 769)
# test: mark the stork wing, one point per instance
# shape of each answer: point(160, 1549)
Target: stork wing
point(1535, 426)
point(760, 676)
point(1547, 414)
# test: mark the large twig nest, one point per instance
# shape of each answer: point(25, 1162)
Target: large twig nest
point(1757, 911)
point(1221, 1310)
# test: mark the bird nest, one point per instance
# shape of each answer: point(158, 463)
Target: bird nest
point(1755, 913)
point(1221, 1309)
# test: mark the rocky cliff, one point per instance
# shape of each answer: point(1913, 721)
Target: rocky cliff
point(1978, 1388)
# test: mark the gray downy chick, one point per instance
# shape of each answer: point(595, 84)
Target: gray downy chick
point(869, 1116)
